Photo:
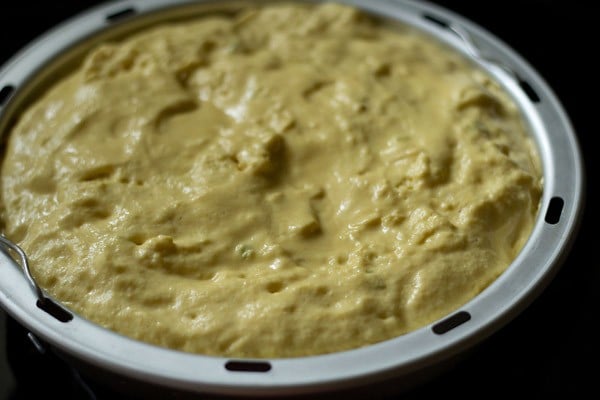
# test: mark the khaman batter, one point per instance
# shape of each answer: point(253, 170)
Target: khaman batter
point(289, 181)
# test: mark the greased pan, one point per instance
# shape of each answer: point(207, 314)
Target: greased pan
point(411, 357)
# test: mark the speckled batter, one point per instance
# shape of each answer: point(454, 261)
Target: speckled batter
point(289, 181)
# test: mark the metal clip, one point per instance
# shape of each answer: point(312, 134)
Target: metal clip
point(11, 249)
point(475, 52)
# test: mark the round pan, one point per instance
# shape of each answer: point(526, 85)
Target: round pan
point(410, 357)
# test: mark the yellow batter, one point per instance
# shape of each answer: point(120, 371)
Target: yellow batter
point(289, 181)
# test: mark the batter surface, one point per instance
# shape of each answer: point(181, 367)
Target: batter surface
point(292, 180)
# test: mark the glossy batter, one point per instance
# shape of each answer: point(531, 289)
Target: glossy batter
point(289, 181)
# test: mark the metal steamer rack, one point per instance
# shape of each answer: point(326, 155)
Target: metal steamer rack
point(403, 357)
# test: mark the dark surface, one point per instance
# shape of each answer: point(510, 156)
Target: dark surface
point(551, 350)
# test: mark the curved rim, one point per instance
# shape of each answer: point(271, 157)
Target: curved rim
point(495, 306)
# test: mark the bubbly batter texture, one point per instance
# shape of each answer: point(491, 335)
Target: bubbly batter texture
point(288, 181)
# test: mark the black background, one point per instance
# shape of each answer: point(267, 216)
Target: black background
point(552, 349)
